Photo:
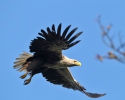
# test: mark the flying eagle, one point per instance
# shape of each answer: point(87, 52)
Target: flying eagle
point(49, 60)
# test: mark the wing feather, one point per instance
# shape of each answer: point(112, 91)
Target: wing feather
point(63, 77)
point(59, 31)
point(71, 33)
point(52, 42)
point(45, 35)
point(53, 28)
point(74, 43)
point(74, 37)
point(65, 32)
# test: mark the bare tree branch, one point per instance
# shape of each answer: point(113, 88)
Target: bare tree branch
point(118, 50)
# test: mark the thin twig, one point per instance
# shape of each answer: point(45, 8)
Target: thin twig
point(108, 41)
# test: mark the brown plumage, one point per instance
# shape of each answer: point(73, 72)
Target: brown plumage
point(49, 60)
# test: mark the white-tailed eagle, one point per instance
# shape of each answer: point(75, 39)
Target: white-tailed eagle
point(49, 60)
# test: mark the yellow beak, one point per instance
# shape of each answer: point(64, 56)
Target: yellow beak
point(78, 63)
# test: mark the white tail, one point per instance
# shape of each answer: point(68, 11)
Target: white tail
point(19, 63)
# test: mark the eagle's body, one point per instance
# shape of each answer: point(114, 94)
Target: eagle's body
point(49, 60)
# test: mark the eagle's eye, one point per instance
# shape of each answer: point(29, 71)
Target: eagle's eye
point(75, 61)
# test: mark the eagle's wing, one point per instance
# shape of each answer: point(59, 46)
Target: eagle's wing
point(63, 77)
point(53, 42)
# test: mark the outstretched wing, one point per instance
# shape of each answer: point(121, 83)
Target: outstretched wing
point(63, 77)
point(52, 42)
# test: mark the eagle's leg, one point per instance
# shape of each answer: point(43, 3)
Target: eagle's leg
point(27, 81)
point(24, 75)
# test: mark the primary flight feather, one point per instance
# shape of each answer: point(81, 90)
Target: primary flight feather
point(48, 59)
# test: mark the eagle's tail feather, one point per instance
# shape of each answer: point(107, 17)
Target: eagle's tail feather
point(21, 63)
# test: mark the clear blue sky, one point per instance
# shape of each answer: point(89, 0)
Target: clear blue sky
point(21, 20)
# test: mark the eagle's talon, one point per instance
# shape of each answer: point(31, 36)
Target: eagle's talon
point(23, 76)
point(27, 81)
